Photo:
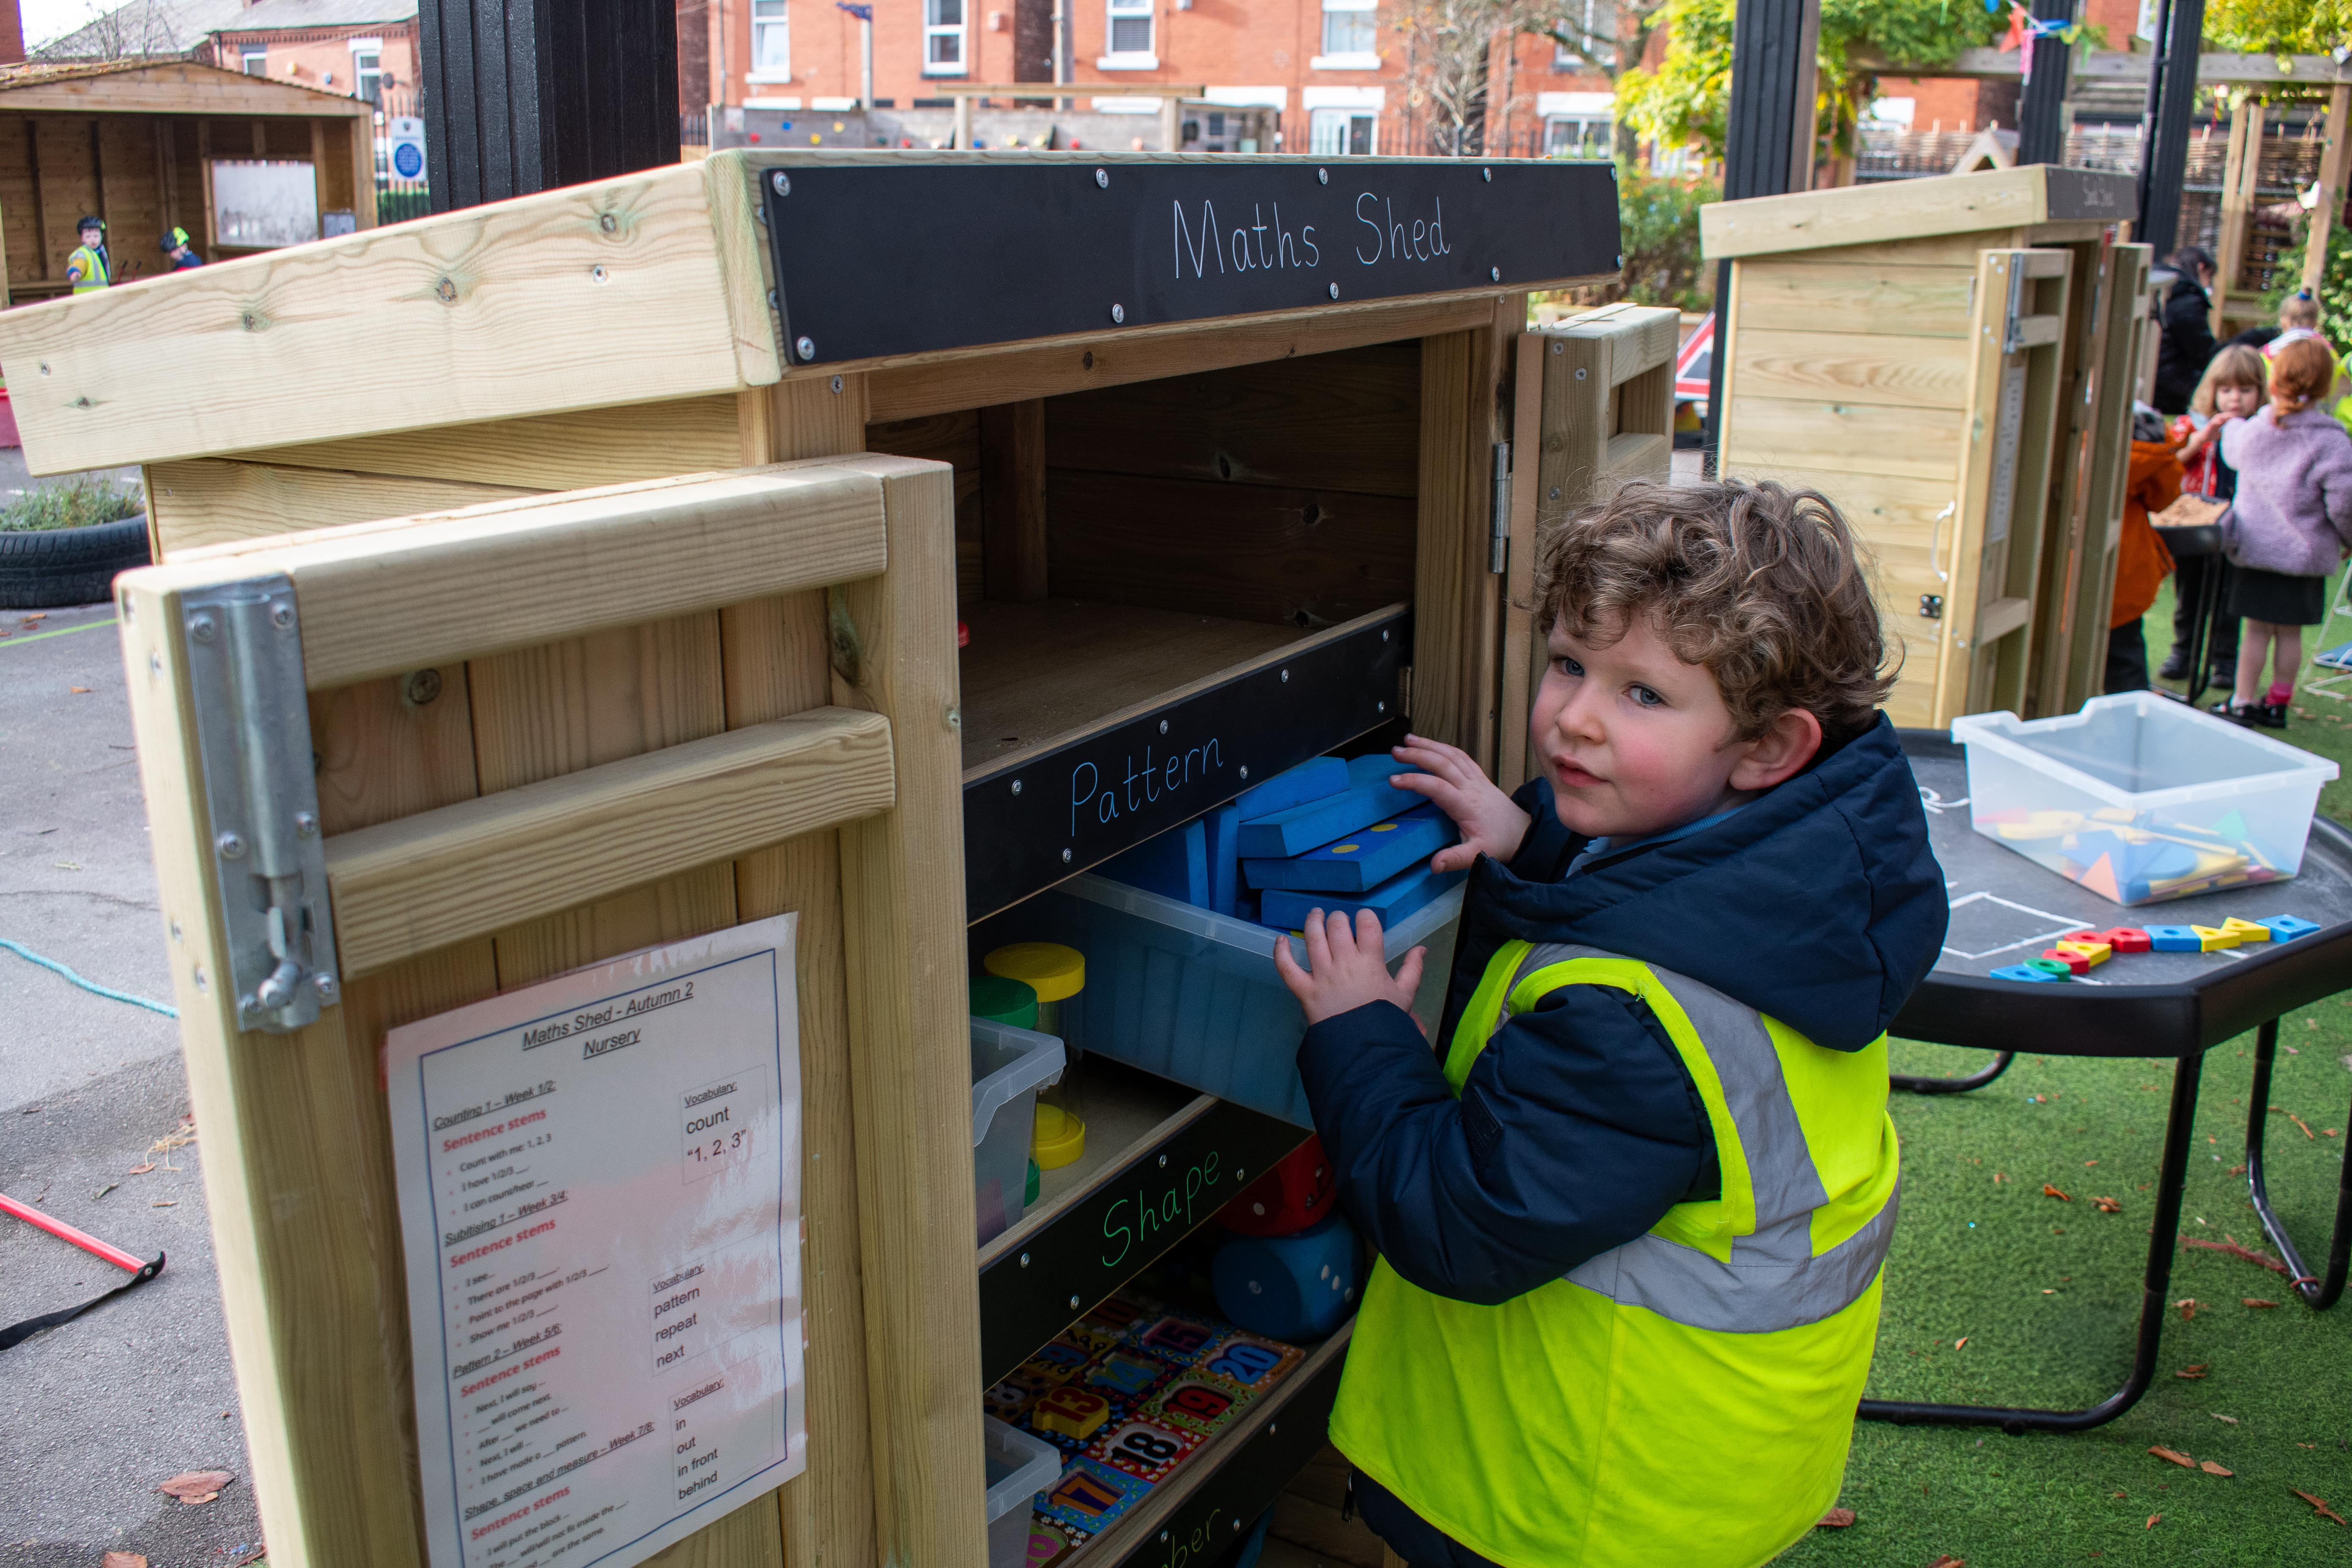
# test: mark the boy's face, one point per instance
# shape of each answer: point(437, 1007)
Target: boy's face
point(1637, 742)
point(2240, 401)
point(90, 236)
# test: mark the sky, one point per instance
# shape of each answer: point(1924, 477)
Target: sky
point(46, 20)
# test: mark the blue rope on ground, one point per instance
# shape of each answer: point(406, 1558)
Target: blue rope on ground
point(54, 967)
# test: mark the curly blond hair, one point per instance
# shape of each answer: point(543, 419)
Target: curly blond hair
point(1757, 582)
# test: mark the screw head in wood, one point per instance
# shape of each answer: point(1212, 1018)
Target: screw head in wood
point(781, 183)
point(1245, 773)
point(197, 974)
point(231, 846)
point(422, 687)
point(447, 289)
point(1489, 174)
point(1073, 1303)
point(1102, 179)
point(1560, 348)
point(1580, 374)
point(607, 222)
point(1065, 857)
point(281, 615)
point(1494, 274)
point(1621, 261)
point(203, 628)
point(306, 825)
point(45, 369)
point(836, 384)
point(805, 347)
point(1118, 312)
point(1163, 1161)
point(1024, 1260)
point(1017, 786)
point(1285, 678)
point(324, 984)
point(597, 274)
point(1163, 726)
point(1335, 291)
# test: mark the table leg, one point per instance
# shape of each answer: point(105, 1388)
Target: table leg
point(2209, 599)
point(2320, 1294)
point(2172, 1177)
point(1993, 1069)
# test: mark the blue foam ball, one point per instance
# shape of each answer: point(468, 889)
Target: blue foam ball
point(1289, 1287)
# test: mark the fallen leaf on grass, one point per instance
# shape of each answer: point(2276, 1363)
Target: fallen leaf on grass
point(2192, 1372)
point(1959, 1342)
point(2152, 1520)
point(1836, 1519)
point(2299, 1121)
point(2050, 1192)
point(2108, 1206)
point(2219, 1417)
point(1948, 1561)
point(140, 1170)
point(2187, 1305)
point(2211, 1468)
point(2318, 1503)
point(2175, 1456)
point(2231, 1245)
point(2237, 1170)
point(123, 1560)
point(1998, 1178)
point(194, 1487)
point(2256, 1301)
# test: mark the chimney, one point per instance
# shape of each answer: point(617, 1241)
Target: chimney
point(12, 33)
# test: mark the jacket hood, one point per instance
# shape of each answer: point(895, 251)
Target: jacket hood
point(1818, 903)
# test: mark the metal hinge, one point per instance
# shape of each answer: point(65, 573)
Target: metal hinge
point(1498, 538)
point(244, 652)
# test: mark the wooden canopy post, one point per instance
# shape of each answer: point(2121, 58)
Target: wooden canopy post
point(2242, 174)
point(2331, 187)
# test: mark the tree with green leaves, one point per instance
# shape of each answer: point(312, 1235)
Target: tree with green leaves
point(1682, 103)
point(2278, 27)
point(1608, 38)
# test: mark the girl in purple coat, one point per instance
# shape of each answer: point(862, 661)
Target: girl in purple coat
point(2293, 524)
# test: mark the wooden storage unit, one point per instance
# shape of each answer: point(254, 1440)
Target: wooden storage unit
point(1286, 520)
point(1950, 360)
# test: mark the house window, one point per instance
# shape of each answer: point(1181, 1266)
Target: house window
point(1347, 26)
point(1571, 136)
point(1590, 24)
point(367, 72)
point(255, 59)
point(1131, 26)
point(943, 37)
point(1331, 132)
point(772, 41)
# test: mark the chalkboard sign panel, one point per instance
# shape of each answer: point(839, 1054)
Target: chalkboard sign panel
point(891, 258)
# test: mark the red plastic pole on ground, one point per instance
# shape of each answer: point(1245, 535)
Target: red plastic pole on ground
point(65, 1232)
point(140, 1271)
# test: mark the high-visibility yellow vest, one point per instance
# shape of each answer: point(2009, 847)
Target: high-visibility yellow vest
point(91, 265)
point(1687, 1398)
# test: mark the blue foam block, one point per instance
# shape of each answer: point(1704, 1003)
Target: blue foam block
point(1358, 862)
point(1224, 827)
point(1175, 864)
point(2022, 972)
point(2174, 939)
point(1368, 799)
point(1310, 780)
point(1289, 1287)
point(1391, 900)
point(2286, 928)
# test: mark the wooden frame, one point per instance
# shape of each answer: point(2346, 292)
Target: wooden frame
point(1866, 349)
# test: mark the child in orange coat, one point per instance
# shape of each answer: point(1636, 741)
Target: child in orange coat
point(2142, 562)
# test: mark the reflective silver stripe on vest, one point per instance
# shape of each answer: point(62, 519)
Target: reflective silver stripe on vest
point(1773, 1281)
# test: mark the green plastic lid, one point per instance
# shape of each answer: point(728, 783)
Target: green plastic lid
point(1003, 1001)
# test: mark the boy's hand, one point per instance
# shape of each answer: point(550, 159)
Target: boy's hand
point(1490, 824)
point(1348, 971)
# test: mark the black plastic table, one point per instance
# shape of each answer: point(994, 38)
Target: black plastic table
point(2005, 910)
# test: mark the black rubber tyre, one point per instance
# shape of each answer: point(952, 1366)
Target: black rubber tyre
point(60, 566)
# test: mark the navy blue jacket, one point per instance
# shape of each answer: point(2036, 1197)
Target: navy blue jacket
point(1818, 903)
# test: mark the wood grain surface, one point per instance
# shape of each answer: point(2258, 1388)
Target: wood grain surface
point(207, 501)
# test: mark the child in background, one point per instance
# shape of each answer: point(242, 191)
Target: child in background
point(2298, 317)
point(2233, 387)
point(2142, 562)
point(1631, 1217)
point(2293, 525)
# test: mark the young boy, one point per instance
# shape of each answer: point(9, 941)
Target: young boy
point(90, 268)
point(1631, 1224)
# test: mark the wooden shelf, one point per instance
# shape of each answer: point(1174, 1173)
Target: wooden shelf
point(1160, 1162)
point(1214, 1497)
point(1038, 672)
point(1088, 728)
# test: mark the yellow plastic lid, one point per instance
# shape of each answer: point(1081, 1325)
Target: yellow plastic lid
point(1057, 1137)
point(1050, 970)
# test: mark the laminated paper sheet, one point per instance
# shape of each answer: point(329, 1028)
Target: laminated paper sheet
point(600, 1198)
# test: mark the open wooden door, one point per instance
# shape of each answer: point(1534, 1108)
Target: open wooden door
point(396, 767)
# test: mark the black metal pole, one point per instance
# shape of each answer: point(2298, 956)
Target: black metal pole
point(2164, 127)
point(527, 95)
point(2041, 110)
point(2320, 1291)
point(1767, 143)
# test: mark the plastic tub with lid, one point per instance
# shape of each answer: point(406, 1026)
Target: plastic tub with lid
point(1019, 1467)
point(1009, 1066)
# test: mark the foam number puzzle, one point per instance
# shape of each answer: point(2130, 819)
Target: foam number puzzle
point(1091, 1495)
point(1178, 1338)
point(1252, 1362)
point(1199, 1403)
point(1072, 1412)
point(1144, 1450)
point(1127, 1374)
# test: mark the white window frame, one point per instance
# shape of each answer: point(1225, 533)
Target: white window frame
point(781, 22)
point(372, 50)
point(960, 32)
point(248, 54)
point(1354, 59)
point(1561, 60)
point(1323, 124)
point(1117, 59)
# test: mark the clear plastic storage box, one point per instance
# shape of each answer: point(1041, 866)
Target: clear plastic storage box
point(2141, 798)
point(1009, 1066)
point(1193, 995)
point(1019, 1467)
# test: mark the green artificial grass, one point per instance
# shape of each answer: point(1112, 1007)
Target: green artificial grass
point(77, 502)
point(2046, 1294)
